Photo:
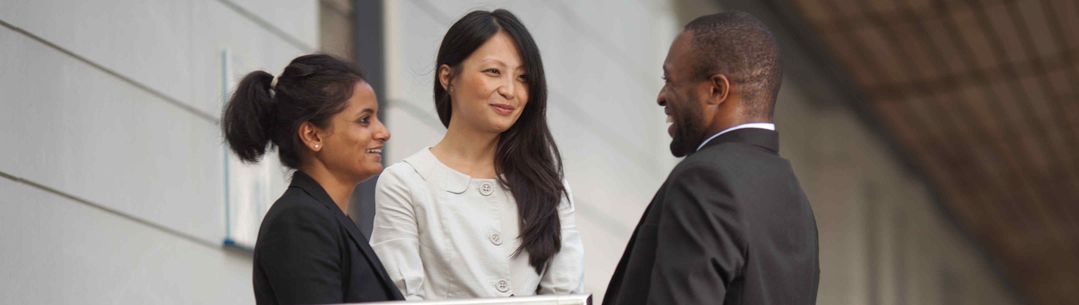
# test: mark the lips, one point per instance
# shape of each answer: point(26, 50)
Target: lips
point(376, 150)
point(503, 109)
point(670, 121)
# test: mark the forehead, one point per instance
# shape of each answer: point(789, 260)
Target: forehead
point(499, 48)
point(680, 54)
point(363, 97)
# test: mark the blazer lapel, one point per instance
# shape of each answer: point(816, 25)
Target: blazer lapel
point(370, 256)
point(311, 187)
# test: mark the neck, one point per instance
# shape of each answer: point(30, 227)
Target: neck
point(732, 119)
point(339, 188)
point(468, 151)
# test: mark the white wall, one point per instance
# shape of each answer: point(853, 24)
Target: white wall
point(113, 167)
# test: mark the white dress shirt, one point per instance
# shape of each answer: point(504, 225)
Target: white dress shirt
point(768, 126)
point(444, 235)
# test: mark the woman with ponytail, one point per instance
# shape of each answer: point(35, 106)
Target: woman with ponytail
point(485, 212)
point(321, 116)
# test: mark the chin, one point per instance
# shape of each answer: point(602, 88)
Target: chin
point(500, 127)
point(677, 152)
point(367, 172)
point(680, 148)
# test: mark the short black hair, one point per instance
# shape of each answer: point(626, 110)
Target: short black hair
point(740, 46)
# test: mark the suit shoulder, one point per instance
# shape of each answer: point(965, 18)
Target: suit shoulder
point(733, 156)
point(700, 163)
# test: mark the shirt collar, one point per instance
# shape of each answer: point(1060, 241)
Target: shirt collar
point(768, 126)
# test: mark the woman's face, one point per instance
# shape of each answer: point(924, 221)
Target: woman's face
point(352, 144)
point(489, 90)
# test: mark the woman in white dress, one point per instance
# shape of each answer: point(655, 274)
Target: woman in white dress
point(485, 212)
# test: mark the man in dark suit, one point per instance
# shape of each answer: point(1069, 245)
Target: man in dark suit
point(731, 224)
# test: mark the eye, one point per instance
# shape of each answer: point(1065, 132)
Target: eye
point(492, 71)
point(666, 79)
point(523, 78)
point(366, 120)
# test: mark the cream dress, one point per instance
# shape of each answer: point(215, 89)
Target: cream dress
point(444, 235)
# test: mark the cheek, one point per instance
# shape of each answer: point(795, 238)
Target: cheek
point(470, 100)
point(361, 137)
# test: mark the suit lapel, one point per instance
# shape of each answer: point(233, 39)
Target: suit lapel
point(613, 288)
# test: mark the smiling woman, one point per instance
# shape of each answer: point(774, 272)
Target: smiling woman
point(321, 115)
point(485, 212)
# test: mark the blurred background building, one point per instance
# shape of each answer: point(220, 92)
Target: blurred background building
point(936, 140)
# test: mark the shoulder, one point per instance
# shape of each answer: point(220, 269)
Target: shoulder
point(730, 159)
point(399, 172)
point(733, 154)
point(297, 208)
point(699, 165)
point(700, 181)
point(414, 168)
point(567, 201)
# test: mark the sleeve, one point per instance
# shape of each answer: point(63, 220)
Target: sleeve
point(301, 258)
point(395, 235)
point(565, 273)
point(700, 249)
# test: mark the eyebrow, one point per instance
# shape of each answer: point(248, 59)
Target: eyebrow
point(496, 60)
point(365, 111)
point(502, 63)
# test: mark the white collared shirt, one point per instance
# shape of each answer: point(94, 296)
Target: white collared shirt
point(444, 235)
point(768, 126)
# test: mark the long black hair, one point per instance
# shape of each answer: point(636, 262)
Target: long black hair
point(526, 158)
point(311, 89)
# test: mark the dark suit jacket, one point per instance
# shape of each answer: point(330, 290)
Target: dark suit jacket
point(729, 226)
point(309, 252)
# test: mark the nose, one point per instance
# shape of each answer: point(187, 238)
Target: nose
point(508, 89)
point(661, 99)
point(382, 134)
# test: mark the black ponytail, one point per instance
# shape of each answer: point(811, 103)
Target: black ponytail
point(311, 89)
point(249, 117)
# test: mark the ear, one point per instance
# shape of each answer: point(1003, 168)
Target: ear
point(311, 136)
point(720, 89)
point(445, 75)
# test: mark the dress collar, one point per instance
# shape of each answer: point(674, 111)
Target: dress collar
point(434, 171)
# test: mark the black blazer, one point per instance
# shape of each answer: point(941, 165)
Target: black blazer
point(309, 252)
point(730, 225)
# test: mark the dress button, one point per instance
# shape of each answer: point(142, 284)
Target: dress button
point(486, 189)
point(495, 238)
point(503, 286)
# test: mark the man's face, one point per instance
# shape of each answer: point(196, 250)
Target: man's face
point(680, 98)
